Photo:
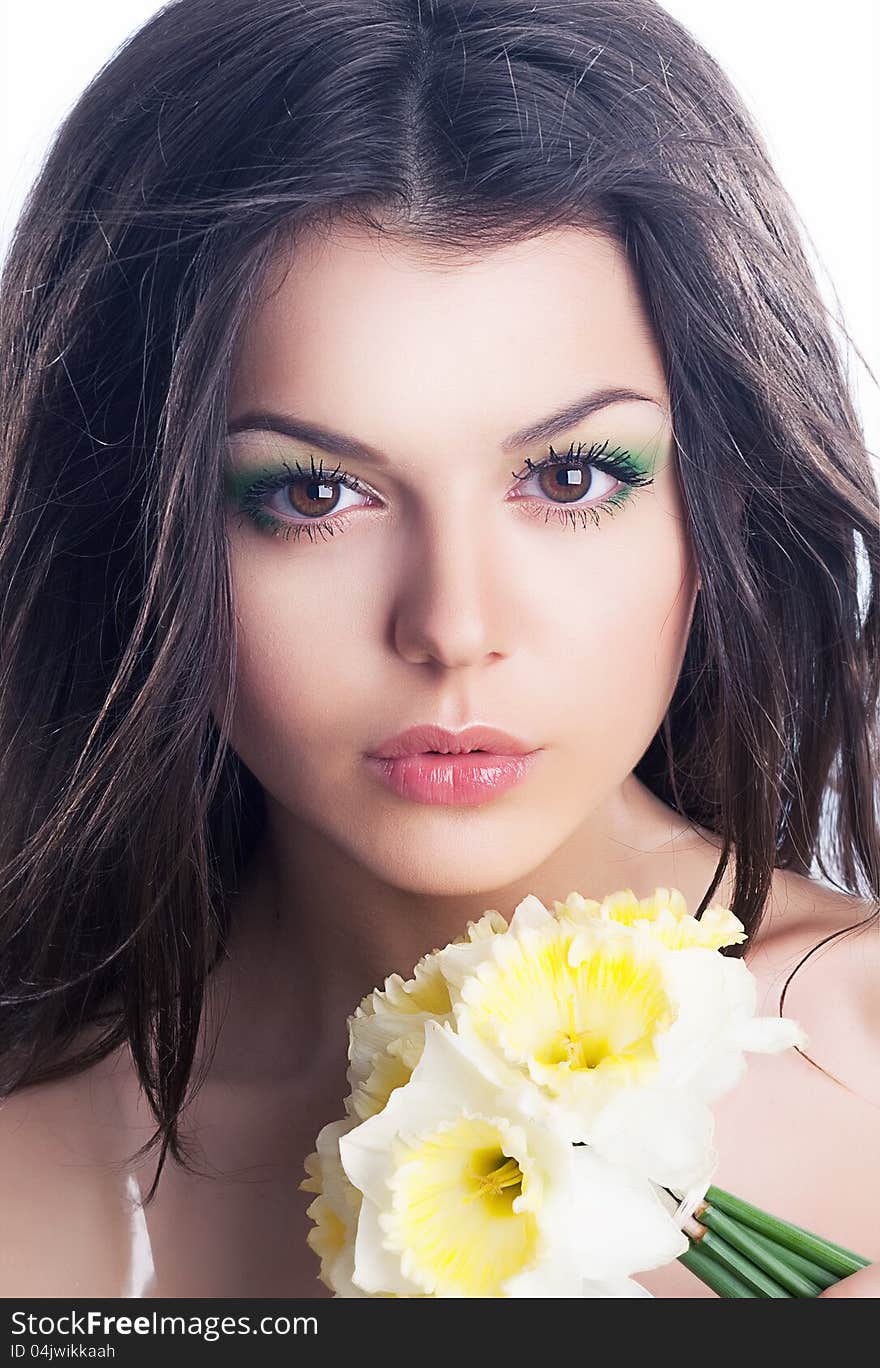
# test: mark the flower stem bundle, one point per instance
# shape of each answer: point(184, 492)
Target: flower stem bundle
point(741, 1251)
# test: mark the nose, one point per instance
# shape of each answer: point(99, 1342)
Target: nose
point(453, 607)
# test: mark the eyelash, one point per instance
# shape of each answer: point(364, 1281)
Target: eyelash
point(619, 463)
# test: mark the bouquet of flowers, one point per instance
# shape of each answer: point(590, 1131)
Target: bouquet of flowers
point(530, 1115)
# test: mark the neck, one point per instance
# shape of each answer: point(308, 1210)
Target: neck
point(314, 931)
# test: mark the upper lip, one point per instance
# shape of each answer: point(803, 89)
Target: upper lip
point(428, 737)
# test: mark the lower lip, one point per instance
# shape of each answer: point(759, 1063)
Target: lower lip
point(457, 780)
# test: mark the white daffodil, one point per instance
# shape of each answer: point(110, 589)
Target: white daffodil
point(464, 1194)
point(576, 1008)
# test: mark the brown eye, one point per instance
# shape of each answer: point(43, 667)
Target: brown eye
point(566, 483)
point(580, 485)
point(288, 501)
point(593, 473)
point(311, 498)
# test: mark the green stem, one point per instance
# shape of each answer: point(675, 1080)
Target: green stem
point(714, 1274)
point(742, 1239)
point(833, 1257)
point(728, 1254)
point(813, 1271)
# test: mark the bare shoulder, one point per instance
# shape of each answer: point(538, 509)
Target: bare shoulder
point(64, 1227)
point(825, 944)
point(801, 905)
point(804, 915)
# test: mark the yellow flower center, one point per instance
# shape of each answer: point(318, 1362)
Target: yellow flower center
point(496, 1177)
point(453, 1211)
point(558, 1018)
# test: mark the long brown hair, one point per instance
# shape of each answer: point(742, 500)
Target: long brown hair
point(213, 136)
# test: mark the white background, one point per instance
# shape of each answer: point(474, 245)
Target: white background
point(808, 73)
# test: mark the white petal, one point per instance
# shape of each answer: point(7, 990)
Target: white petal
point(376, 1269)
point(341, 1274)
point(698, 986)
point(613, 1221)
point(486, 1058)
point(557, 1278)
point(666, 1136)
point(553, 1277)
point(334, 1183)
point(458, 962)
point(721, 1070)
point(365, 1154)
point(370, 1036)
point(449, 1074)
point(768, 1035)
point(614, 1287)
point(531, 912)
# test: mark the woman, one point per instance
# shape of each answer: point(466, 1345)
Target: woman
point(331, 334)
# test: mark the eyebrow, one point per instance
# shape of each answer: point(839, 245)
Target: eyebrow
point(339, 444)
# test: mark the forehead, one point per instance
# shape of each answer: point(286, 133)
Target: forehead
point(353, 323)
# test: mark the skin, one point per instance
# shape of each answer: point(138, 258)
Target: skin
point(444, 599)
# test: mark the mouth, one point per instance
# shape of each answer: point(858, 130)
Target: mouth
point(462, 779)
point(429, 738)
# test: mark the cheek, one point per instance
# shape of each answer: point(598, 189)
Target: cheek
point(620, 644)
point(637, 621)
point(298, 648)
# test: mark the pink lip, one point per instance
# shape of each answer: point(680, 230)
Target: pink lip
point(465, 768)
point(428, 737)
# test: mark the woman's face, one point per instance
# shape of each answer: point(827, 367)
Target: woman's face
point(442, 589)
